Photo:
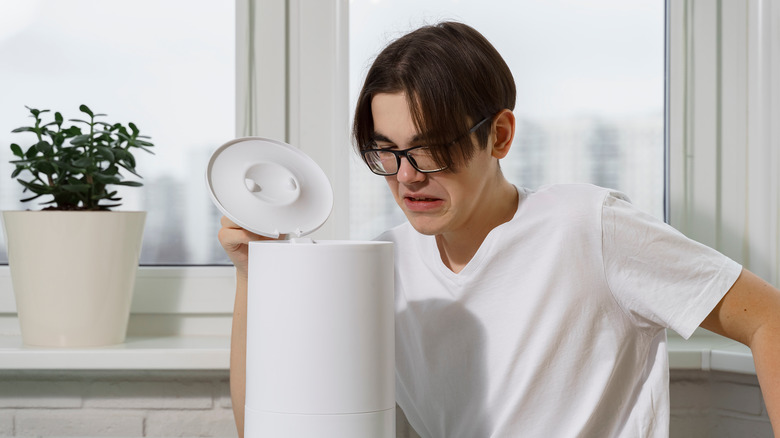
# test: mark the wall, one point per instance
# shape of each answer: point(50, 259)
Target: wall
point(197, 403)
point(116, 403)
point(717, 405)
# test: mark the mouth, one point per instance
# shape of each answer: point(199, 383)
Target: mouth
point(420, 199)
point(421, 203)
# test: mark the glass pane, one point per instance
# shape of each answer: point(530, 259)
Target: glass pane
point(168, 66)
point(590, 91)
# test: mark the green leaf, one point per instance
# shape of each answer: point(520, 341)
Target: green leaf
point(72, 131)
point(31, 198)
point(121, 154)
point(106, 179)
point(83, 162)
point(17, 150)
point(16, 172)
point(85, 109)
point(106, 153)
point(45, 167)
point(129, 183)
point(58, 118)
point(129, 160)
point(41, 189)
point(31, 153)
point(80, 140)
point(143, 143)
point(24, 129)
point(130, 169)
point(43, 147)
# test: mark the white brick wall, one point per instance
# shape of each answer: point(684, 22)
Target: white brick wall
point(717, 405)
point(197, 403)
point(122, 403)
point(6, 423)
point(83, 422)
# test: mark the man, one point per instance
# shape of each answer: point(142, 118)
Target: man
point(518, 312)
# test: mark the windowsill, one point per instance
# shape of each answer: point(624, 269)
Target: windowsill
point(703, 351)
point(709, 352)
point(137, 353)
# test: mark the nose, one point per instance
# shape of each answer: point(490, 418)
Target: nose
point(407, 174)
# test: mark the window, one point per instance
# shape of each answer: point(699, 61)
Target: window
point(167, 66)
point(590, 79)
point(590, 82)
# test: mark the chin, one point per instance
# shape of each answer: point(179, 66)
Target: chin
point(423, 226)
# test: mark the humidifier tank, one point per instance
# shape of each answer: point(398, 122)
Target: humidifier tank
point(320, 343)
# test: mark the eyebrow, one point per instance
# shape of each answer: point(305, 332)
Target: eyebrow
point(376, 136)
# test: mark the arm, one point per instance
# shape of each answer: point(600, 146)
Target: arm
point(750, 313)
point(234, 240)
point(238, 355)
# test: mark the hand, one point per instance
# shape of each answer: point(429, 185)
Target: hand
point(234, 240)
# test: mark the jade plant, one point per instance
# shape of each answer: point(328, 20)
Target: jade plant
point(76, 166)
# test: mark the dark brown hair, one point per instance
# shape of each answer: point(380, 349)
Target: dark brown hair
point(453, 78)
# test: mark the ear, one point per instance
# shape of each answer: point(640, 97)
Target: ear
point(503, 133)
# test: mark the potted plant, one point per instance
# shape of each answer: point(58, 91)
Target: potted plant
point(73, 263)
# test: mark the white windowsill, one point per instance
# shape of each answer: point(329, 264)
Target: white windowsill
point(703, 352)
point(137, 353)
point(708, 352)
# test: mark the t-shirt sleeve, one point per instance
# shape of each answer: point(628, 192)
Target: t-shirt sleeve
point(657, 275)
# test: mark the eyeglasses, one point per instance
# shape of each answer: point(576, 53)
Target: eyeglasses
point(386, 162)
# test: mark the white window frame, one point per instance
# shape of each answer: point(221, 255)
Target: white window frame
point(724, 91)
point(298, 92)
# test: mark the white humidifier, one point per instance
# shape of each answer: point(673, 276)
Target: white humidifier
point(320, 319)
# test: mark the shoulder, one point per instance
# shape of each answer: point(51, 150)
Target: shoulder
point(570, 201)
point(575, 192)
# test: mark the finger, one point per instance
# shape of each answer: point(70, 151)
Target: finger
point(226, 222)
point(232, 237)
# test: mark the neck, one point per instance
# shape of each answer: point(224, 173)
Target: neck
point(457, 248)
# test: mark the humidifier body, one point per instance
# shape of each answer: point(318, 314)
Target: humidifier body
point(320, 356)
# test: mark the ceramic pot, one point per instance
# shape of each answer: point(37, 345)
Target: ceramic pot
point(73, 274)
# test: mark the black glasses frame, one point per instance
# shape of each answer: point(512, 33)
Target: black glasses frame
point(405, 153)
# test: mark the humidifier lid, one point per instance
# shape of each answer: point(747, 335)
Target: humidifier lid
point(269, 187)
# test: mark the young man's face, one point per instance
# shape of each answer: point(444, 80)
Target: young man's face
point(434, 203)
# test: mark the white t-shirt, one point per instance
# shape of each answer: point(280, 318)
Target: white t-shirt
point(555, 328)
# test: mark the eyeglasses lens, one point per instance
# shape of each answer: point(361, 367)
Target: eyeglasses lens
point(422, 159)
point(381, 162)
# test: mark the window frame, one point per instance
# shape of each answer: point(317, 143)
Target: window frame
point(724, 89)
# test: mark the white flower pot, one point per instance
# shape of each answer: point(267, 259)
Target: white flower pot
point(73, 274)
